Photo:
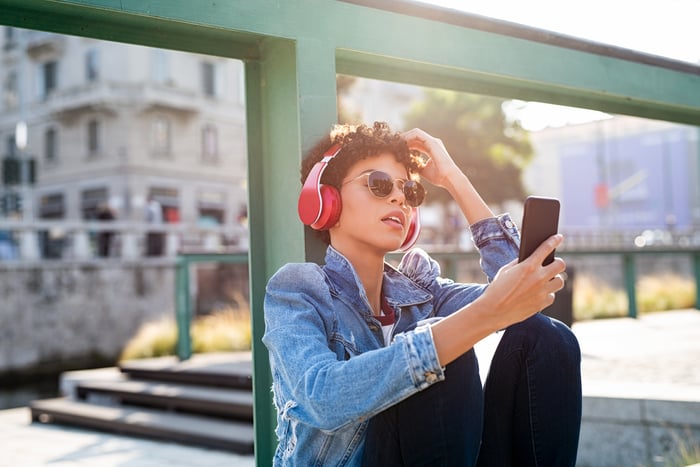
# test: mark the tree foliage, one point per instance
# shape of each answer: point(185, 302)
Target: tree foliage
point(344, 84)
point(488, 147)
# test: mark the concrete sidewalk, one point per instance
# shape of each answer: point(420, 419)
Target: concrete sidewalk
point(636, 375)
point(26, 444)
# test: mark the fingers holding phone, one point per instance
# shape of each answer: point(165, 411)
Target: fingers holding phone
point(539, 240)
point(540, 222)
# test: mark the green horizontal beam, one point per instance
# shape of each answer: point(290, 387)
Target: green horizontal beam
point(428, 53)
point(391, 45)
point(103, 20)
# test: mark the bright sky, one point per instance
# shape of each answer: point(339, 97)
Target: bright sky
point(667, 28)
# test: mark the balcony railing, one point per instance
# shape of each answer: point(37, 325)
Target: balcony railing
point(48, 240)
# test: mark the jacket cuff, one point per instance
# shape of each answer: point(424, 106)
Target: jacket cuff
point(495, 227)
point(421, 355)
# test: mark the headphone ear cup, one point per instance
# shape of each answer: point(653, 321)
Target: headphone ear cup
point(413, 231)
point(330, 208)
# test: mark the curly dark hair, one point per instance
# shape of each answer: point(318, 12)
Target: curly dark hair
point(358, 142)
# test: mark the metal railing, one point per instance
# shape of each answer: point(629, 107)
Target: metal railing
point(449, 261)
point(80, 240)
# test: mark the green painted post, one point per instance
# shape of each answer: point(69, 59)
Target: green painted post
point(263, 413)
point(696, 254)
point(182, 308)
point(450, 267)
point(630, 283)
point(287, 110)
point(696, 269)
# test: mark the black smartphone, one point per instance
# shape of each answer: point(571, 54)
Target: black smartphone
point(540, 221)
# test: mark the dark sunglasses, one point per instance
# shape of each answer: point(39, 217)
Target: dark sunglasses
point(381, 184)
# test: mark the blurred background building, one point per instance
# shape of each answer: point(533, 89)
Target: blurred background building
point(111, 126)
point(622, 175)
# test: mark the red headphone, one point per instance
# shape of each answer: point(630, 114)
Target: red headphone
point(319, 205)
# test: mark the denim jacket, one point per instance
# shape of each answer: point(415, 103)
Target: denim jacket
point(320, 331)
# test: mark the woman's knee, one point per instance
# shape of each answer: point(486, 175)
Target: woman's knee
point(548, 334)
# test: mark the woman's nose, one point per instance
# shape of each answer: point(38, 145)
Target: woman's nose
point(397, 194)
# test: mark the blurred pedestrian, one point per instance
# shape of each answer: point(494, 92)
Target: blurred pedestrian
point(154, 240)
point(104, 237)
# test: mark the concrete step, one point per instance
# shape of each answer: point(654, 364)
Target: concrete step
point(188, 429)
point(205, 401)
point(220, 402)
point(233, 370)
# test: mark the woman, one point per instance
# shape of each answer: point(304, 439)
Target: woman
point(375, 366)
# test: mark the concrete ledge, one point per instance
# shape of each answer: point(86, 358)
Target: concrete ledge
point(633, 424)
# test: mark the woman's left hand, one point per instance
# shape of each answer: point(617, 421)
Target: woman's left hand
point(439, 165)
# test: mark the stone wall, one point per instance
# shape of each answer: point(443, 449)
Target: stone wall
point(55, 316)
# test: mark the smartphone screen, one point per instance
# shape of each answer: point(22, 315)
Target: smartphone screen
point(540, 221)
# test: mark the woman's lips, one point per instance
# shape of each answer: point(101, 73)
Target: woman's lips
point(396, 218)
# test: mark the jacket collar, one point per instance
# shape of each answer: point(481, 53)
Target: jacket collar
point(398, 289)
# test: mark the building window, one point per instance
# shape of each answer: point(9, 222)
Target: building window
point(93, 137)
point(208, 79)
point(51, 145)
point(211, 208)
point(10, 38)
point(52, 206)
point(168, 198)
point(92, 65)
point(160, 68)
point(49, 74)
point(210, 144)
point(91, 200)
point(10, 146)
point(11, 90)
point(160, 136)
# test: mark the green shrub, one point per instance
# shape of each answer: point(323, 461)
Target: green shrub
point(685, 450)
point(594, 299)
point(153, 339)
point(665, 292)
point(226, 330)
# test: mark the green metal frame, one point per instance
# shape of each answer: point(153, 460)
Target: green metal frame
point(183, 299)
point(294, 48)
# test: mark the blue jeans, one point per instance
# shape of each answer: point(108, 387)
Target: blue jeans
point(528, 413)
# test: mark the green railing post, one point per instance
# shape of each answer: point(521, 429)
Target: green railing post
point(630, 283)
point(183, 313)
point(450, 267)
point(696, 269)
point(183, 300)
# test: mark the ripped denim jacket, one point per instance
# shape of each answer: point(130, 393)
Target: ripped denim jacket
point(331, 371)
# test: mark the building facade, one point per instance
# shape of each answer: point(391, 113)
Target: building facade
point(620, 174)
point(114, 125)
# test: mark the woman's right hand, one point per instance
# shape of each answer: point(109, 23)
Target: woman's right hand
point(519, 290)
point(439, 166)
point(441, 170)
